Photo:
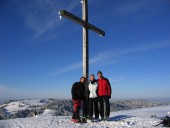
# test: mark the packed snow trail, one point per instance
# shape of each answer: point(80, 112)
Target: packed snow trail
point(139, 118)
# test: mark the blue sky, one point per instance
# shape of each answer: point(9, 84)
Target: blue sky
point(41, 55)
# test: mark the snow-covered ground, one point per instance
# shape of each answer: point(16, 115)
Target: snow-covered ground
point(15, 106)
point(139, 118)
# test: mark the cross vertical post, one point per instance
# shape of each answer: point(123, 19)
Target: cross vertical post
point(85, 51)
point(85, 40)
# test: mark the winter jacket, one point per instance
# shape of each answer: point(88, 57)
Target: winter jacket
point(92, 89)
point(104, 88)
point(78, 91)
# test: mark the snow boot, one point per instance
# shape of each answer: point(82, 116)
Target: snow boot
point(83, 120)
point(75, 120)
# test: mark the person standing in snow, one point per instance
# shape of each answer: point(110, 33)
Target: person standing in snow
point(93, 98)
point(78, 95)
point(104, 94)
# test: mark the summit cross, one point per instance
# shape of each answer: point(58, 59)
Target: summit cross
point(86, 26)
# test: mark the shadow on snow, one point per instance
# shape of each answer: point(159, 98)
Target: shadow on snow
point(120, 117)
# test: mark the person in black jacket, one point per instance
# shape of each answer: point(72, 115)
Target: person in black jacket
point(78, 95)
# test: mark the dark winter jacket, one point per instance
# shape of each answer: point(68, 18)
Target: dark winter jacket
point(78, 91)
point(104, 87)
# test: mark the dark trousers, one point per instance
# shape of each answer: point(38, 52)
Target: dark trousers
point(76, 109)
point(93, 105)
point(85, 108)
point(104, 106)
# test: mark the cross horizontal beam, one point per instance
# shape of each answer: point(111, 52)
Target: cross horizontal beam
point(78, 20)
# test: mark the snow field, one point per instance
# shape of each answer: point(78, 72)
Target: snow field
point(139, 118)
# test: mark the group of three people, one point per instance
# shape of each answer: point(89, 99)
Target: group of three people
point(99, 92)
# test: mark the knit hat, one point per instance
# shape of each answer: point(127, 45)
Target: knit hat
point(99, 72)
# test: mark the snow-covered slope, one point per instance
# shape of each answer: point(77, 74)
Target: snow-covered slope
point(139, 118)
point(15, 106)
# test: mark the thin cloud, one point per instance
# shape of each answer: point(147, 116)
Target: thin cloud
point(68, 68)
point(109, 56)
point(132, 6)
point(41, 16)
point(100, 57)
point(111, 62)
point(141, 9)
point(135, 6)
point(142, 48)
point(94, 60)
point(117, 79)
point(152, 78)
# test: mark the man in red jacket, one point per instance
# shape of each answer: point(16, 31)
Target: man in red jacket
point(104, 94)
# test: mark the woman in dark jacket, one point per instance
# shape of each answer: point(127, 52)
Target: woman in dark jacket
point(78, 94)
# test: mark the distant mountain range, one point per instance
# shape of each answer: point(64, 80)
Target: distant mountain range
point(57, 107)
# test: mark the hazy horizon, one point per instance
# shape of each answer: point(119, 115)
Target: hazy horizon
point(161, 100)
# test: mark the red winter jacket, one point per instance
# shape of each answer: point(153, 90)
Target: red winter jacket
point(104, 88)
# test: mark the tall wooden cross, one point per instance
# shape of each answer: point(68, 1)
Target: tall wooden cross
point(86, 26)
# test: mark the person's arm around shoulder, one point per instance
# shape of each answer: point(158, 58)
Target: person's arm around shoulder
point(73, 91)
point(88, 88)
